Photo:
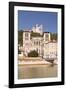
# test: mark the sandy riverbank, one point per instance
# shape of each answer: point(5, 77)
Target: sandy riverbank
point(23, 58)
point(33, 61)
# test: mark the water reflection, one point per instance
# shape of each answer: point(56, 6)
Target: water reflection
point(37, 71)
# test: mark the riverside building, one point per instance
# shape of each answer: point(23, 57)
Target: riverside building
point(40, 41)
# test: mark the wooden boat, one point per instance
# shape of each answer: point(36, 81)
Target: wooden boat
point(51, 60)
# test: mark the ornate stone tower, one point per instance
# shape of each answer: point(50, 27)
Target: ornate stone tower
point(26, 42)
point(46, 37)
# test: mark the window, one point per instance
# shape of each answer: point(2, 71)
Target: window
point(36, 42)
point(46, 37)
point(39, 43)
point(26, 36)
point(27, 44)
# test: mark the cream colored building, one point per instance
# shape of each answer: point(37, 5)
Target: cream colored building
point(42, 44)
point(50, 49)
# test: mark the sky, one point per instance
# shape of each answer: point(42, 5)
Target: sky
point(28, 19)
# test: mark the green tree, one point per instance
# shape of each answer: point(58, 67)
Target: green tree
point(33, 54)
point(54, 36)
point(20, 37)
point(33, 34)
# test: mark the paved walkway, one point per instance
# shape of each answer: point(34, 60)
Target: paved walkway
point(32, 60)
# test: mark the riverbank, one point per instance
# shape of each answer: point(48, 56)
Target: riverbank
point(43, 62)
point(23, 58)
point(33, 61)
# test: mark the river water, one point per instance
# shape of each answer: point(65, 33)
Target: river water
point(37, 71)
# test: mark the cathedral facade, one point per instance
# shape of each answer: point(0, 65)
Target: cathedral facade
point(41, 42)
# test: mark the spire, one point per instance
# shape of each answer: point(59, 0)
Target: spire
point(36, 25)
point(41, 27)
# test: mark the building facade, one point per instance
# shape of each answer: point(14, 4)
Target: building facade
point(41, 43)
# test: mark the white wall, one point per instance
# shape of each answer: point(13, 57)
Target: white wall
point(4, 44)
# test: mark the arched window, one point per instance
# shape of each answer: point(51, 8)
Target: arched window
point(26, 36)
point(46, 37)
